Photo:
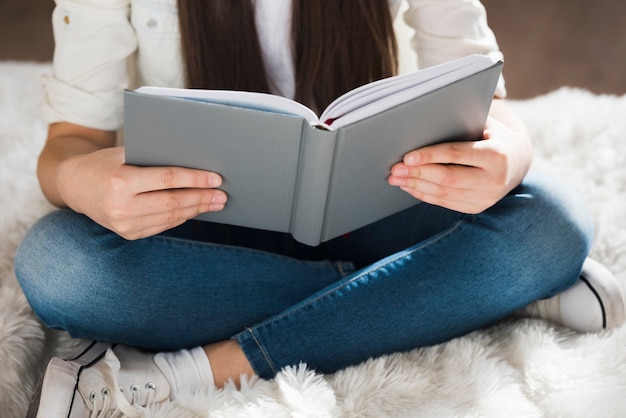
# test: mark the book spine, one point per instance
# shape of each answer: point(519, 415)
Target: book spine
point(315, 169)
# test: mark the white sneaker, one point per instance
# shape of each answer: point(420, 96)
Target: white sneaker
point(594, 303)
point(93, 384)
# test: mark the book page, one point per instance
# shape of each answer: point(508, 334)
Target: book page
point(380, 95)
point(352, 106)
point(243, 99)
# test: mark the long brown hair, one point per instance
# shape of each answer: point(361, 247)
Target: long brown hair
point(338, 45)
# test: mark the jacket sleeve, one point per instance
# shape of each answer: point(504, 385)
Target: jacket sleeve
point(93, 40)
point(450, 29)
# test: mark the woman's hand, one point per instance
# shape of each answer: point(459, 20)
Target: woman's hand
point(136, 202)
point(81, 169)
point(470, 176)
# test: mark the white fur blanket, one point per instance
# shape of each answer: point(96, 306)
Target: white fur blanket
point(520, 368)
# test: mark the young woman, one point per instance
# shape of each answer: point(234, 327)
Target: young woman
point(122, 264)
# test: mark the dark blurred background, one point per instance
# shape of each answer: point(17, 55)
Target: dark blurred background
point(547, 44)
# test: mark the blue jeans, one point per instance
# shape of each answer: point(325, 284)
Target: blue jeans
point(421, 277)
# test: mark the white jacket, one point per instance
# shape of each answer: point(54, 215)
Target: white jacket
point(105, 46)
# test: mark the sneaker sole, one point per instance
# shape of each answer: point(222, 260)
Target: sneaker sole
point(608, 292)
point(87, 354)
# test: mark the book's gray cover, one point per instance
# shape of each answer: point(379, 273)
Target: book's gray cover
point(366, 150)
point(282, 174)
point(255, 152)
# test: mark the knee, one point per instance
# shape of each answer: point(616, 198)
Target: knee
point(559, 213)
point(554, 227)
point(53, 255)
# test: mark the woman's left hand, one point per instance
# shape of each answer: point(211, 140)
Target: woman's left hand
point(469, 176)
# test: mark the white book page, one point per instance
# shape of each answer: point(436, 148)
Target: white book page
point(243, 99)
point(354, 105)
point(383, 94)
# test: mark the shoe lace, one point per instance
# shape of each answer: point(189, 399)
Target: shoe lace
point(112, 403)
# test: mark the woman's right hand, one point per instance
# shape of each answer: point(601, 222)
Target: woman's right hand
point(135, 202)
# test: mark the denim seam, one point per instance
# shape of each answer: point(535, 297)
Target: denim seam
point(265, 354)
point(364, 273)
point(341, 267)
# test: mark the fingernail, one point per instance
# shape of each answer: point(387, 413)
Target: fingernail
point(401, 171)
point(214, 180)
point(410, 159)
point(395, 181)
point(219, 198)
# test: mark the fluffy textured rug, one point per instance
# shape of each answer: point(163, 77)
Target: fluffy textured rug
point(520, 368)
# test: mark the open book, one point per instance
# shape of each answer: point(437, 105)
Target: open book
point(286, 169)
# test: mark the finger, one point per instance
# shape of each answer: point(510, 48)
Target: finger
point(458, 200)
point(460, 153)
point(165, 220)
point(171, 201)
point(436, 191)
point(458, 188)
point(145, 179)
point(449, 176)
point(149, 230)
point(154, 222)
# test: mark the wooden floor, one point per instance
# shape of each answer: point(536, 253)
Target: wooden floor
point(547, 44)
